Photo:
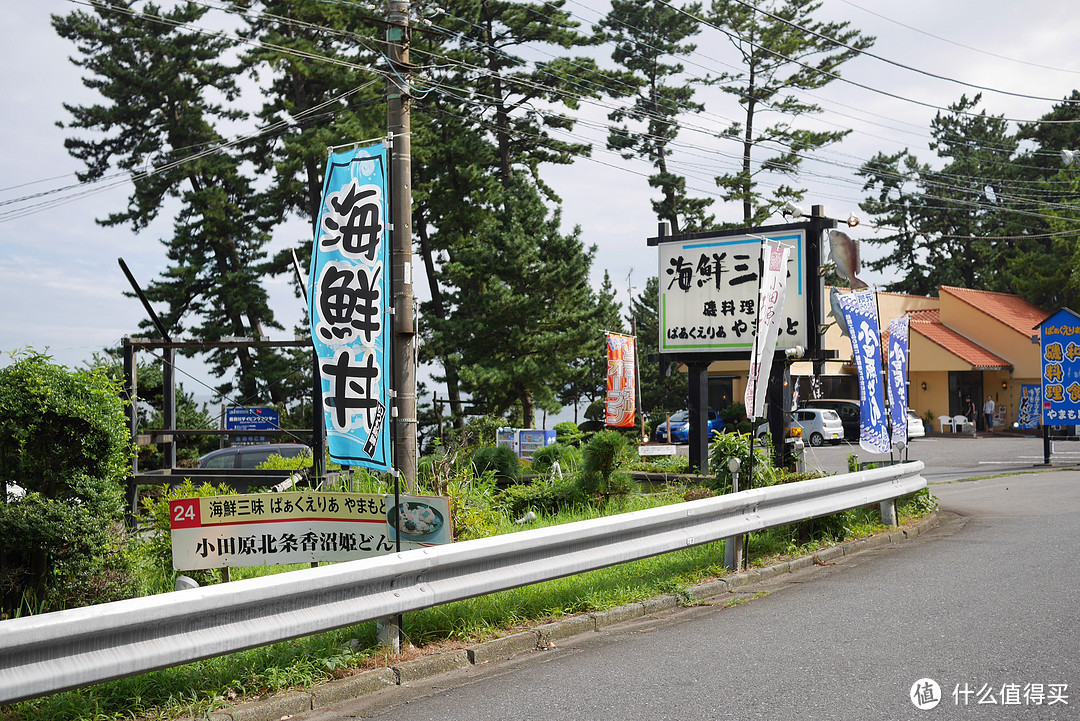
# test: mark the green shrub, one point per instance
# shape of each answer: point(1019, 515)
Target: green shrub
point(568, 433)
point(500, 459)
point(478, 433)
point(600, 477)
point(472, 503)
point(660, 464)
point(726, 446)
point(733, 415)
point(64, 440)
point(155, 546)
point(918, 503)
point(569, 458)
point(542, 496)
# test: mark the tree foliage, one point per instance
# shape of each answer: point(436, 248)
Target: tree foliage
point(660, 393)
point(647, 35)
point(167, 93)
point(518, 304)
point(784, 50)
point(995, 215)
point(63, 440)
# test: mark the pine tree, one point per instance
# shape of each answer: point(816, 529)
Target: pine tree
point(893, 178)
point(519, 303)
point(158, 82)
point(949, 222)
point(646, 35)
point(783, 50)
point(660, 393)
point(482, 130)
point(588, 373)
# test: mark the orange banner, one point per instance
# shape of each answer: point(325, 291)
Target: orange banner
point(621, 380)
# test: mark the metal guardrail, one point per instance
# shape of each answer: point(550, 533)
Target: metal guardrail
point(57, 651)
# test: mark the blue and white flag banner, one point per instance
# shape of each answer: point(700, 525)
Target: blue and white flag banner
point(349, 293)
point(1029, 414)
point(898, 366)
point(860, 312)
point(770, 310)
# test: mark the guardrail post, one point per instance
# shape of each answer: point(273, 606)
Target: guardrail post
point(389, 633)
point(888, 512)
point(733, 544)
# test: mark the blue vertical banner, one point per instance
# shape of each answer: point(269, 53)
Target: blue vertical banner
point(1029, 414)
point(1059, 341)
point(898, 364)
point(348, 297)
point(860, 312)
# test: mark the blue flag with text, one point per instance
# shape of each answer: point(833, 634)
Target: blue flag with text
point(348, 296)
point(860, 312)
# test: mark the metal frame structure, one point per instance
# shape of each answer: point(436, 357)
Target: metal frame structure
point(167, 436)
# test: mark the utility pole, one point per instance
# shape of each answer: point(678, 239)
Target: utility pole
point(398, 124)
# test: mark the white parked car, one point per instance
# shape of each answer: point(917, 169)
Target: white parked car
point(819, 425)
point(915, 427)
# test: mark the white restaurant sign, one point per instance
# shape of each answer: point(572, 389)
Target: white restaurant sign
point(709, 293)
point(280, 528)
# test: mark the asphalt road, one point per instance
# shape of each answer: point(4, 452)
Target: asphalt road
point(954, 457)
point(986, 606)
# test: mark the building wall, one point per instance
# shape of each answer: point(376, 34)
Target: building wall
point(993, 335)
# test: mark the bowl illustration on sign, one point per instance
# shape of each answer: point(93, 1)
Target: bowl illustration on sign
point(415, 521)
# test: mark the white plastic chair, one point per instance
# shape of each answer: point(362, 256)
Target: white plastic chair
point(946, 421)
point(961, 424)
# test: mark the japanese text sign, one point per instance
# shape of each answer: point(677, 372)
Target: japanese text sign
point(898, 362)
point(349, 297)
point(621, 380)
point(247, 418)
point(1060, 345)
point(770, 306)
point(281, 528)
point(860, 312)
point(709, 293)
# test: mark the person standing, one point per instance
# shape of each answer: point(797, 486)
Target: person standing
point(970, 413)
point(988, 412)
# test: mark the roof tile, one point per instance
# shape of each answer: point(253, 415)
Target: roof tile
point(928, 324)
point(1012, 310)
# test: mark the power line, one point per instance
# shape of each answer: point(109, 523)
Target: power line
point(894, 63)
point(959, 44)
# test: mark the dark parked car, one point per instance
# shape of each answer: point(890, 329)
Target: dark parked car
point(847, 409)
point(680, 427)
point(251, 456)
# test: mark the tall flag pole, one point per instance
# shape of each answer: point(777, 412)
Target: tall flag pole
point(898, 367)
point(770, 311)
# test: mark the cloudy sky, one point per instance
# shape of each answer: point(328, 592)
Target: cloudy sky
point(61, 288)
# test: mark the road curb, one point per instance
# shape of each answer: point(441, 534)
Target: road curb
point(541, 637)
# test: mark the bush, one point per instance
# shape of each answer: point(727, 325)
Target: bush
point(568, 434)
point(500, 459)
point(600, 477)
point(64, 440)
point(568, 457)
point(661, 464)
point(733, 415)
point(726, 446)
point(543, 496)
point(155, 548)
